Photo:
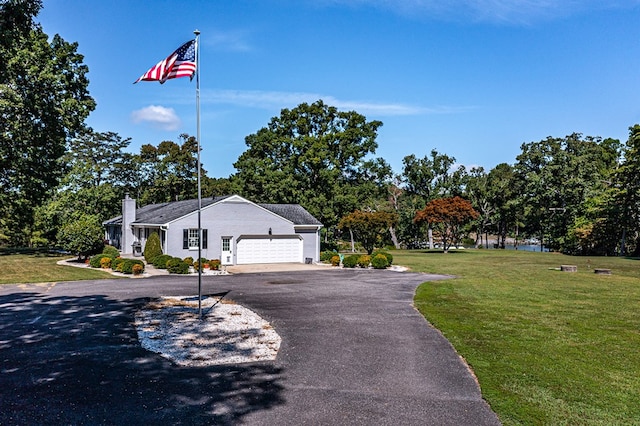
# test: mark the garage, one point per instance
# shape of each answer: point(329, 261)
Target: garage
point(269, 249)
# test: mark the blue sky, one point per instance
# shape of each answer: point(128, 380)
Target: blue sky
point(471, 78)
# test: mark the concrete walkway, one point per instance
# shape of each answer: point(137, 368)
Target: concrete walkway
point(354, 351)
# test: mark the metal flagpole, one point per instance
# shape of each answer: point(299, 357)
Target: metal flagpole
point(197, 33)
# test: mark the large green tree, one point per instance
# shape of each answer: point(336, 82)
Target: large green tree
point(479, 193)
point(83, 236)
point(426, 179)
point(556, 178)
point(316, 156)
point(626, 194)
point(169, 171)
point(44, 101)
point(95, 183)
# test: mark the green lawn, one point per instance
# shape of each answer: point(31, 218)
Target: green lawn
point(548, 347)
point(41, 267)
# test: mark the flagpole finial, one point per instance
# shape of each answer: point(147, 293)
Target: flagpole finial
point(197, 32)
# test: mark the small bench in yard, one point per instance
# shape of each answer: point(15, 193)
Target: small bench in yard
point(601, 271)
point(569, 268)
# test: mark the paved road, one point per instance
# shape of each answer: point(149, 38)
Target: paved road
point(354, 351)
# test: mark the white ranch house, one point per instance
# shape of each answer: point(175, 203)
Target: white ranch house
point(234, 230)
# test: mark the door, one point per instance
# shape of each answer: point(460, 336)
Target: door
point(226, 256)
point(269, 250)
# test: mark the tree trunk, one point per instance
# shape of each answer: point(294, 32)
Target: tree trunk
point(353, 244)
point(394, 238)
point(430, 234)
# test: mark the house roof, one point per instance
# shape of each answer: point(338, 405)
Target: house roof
point(163, 213)
point(293, 212)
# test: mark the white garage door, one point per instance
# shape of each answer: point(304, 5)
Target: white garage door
point(269, 250)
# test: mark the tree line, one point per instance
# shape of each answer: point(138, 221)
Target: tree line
point(577, 194)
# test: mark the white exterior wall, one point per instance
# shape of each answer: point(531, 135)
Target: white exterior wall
point(127, 237)
point(311, 243)
point(233, 218)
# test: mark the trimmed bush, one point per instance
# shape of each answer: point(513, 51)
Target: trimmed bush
point(116, 264)
point(111, 251)
point(105, 262)
point(335, 260)
point(350, 261)
point(214, 264)
point(202, 263)
point(127, 265)
point(137, 269)
point(380, 261)
point(364, 261)
point(177, 266)
point(152, 247)
point(188, 260)
point(385, 254)
point(95, 261)
point(160, 262)
point(326, 256)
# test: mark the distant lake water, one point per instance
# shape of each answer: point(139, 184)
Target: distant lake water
point(525, 247)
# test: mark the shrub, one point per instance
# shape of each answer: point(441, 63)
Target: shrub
point(95, 261)
point(386, 254)
point(160, 262)
point(116, 264)
point(202, 263)
point(127, 265)
point(214, 264)
point(364, 261)
point(83, 236)
point(152, 248)
point(177, 266)
point(137, 269)
point(326, 256)
point(335, 260)
point(350, 261)
point(188, 260)
point(111, 251)
point(105, 262)
point(380, 261)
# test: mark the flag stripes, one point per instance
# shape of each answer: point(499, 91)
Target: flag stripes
point(181, 63)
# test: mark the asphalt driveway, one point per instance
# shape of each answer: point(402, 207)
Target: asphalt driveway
point(354, 351)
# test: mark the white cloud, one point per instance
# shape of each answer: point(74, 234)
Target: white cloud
point(278, 100)
point(158, 116)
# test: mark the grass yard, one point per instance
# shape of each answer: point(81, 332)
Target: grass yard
point(41, 267)
point(548, 347)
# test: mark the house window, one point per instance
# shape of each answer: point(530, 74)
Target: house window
point(190, 239)
point(193, 239)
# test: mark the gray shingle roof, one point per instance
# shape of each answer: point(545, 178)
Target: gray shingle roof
point(294, 212)
point(162, 213)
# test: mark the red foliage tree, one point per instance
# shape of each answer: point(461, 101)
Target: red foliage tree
point(448, 216)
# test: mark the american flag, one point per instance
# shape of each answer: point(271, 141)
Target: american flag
point(181, 63)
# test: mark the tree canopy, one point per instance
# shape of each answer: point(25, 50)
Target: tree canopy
point(448, 216)
point(44, 101)
point(314, 155)
point(368, 227)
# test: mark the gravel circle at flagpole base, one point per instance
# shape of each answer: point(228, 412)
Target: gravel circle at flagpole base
point(228, 333)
